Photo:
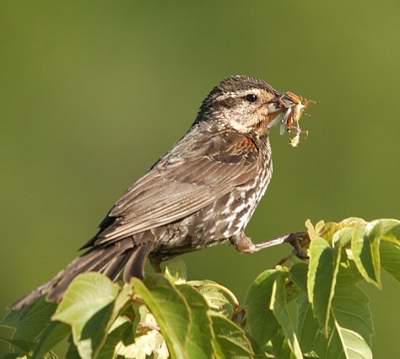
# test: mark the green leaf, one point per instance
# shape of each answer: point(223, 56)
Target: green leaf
point(348, 273)
point(365, 251)
point(351, 309)
point(122, 300)
point(87, 307)
point(218, 297)
point(279, 308)
point(351, 326)
point(331, 347)
point(30, 321)
point(52, 335)
point(321, 279)
point(20, 346)
point(366, 248)
point(170, 304)
point(307, 325)
point(298, 274)
point(353, 344)
point(95, 330)
point(230, 340)
point(342, 344)
point(12, 356)
point(386, 229)
point(175, 271)
point(343, 237)
point(120, 333)
point(317, 247)
point(98, 327)
point(353, 222)
point(169, 308)
point(280, 347)
point(390, 258)
point(261, 322)
point(199, 337)
point(72, 352)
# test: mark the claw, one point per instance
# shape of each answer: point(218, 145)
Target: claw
point(299, 241)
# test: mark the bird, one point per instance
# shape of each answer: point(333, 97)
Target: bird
point(202, 192)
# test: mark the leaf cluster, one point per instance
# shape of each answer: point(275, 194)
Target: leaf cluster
point(299, 309)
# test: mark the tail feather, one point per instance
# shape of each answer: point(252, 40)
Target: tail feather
point(109, 260)
point(114, 268)
point(135, 265)
point(81, 265)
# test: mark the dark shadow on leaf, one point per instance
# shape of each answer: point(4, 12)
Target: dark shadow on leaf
point(96, 328)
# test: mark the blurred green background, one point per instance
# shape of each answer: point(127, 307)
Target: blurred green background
point(92, 93)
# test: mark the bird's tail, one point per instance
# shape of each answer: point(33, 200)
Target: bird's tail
point(111, 260)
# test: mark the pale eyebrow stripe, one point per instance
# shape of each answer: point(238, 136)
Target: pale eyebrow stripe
point(236, 94)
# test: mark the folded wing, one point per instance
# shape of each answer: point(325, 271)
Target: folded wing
point(199, 170)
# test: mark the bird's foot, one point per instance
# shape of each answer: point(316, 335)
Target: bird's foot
point(298, 240)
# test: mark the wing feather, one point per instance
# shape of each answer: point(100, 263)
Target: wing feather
point(199, 170)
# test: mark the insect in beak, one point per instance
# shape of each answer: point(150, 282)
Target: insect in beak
point(292, 107)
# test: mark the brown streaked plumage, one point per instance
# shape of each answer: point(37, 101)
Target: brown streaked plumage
point(202, 192)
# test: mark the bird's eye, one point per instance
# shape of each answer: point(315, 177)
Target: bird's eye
point(251, 97)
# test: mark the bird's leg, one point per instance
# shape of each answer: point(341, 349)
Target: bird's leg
point(297, 240)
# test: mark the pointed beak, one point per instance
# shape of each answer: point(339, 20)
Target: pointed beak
point(285, 107)
point(278, 109)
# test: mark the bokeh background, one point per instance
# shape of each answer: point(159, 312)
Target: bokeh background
point(92, 93)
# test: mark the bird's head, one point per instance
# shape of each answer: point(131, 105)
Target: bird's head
point(249, 105)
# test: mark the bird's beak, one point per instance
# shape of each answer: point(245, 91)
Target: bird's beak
point(277, 110)
point(286, 108)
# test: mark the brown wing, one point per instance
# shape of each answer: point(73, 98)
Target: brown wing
point(199, 170)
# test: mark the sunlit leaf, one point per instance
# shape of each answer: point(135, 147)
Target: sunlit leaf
point(342, 343)
point(342, 238)
point(365, 251)
point(118, 334)
point(353, 222)
point(390, 258)
point(230, 341)
point(386, 229)
point(328, 230)
point(218, 297)
point(87, 307)
point(175, 271)
point(351, 326)
point(148, 345)
point(353, 344)
point(199, 337)
point(170, 310)
point(167, 316)
point(215, 298)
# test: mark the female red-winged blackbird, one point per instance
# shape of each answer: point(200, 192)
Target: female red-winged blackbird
point(202, 192)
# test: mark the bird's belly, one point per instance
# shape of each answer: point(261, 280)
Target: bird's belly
point(214, 224)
